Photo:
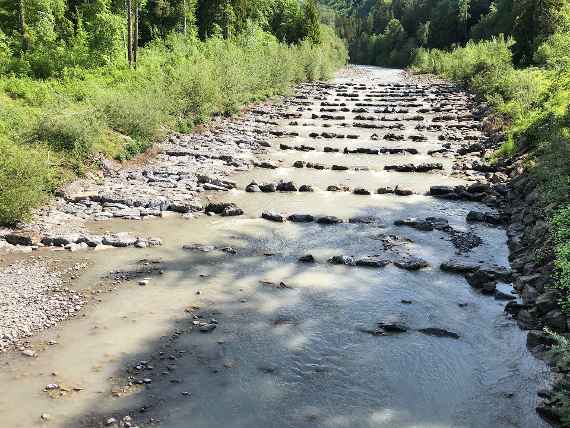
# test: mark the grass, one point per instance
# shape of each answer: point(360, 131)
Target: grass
point(51, 130)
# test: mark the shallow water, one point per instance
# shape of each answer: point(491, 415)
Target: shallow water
point(295, 356)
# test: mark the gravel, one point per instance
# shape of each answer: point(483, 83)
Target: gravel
point(33, 298)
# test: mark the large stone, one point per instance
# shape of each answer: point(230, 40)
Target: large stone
point(546, 302)
point(539, 338)
point(301, 218)
point(529, 295)
point(286, 186)
point(556, 320)
point(23, 237)
point(525, 320)
point(329, 220)
point(458, 266)
point(342, 260)
point(411, 263)
point(273, 216)
point(120, 240)
point(372, 262)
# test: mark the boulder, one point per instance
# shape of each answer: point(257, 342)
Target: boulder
point(555, 320)
point(273, 216)
point(23, 237)
point(411, 263)
point(301, 218)
point(342, 260)
point(268, 187)
point(306, 188)
point(286, 186)
point(372, 262)
point(365, 219)
point(329, 220)
point(439, 332)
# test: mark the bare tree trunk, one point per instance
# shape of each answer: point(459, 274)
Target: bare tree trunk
point(136, 35)
point(129, 7)
point(22, 18)
point(185, 20)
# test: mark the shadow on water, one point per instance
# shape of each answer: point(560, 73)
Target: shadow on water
point(294, 356)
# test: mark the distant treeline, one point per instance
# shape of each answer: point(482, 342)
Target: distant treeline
point(387, 32)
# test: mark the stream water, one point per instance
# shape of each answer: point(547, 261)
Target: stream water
point(295, 354)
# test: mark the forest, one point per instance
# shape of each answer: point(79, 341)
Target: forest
point(82, 80)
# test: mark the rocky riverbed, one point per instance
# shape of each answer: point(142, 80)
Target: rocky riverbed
point(337, 258)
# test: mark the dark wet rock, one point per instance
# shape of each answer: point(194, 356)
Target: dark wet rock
point(424, 167)
point(268, 187)
point(266, 164)
point(286, 186)
point(273, 216)
point(513, 308)
point(305, 188)
point(207, 327)
point(526, 320)
point(458, 266)
point(329, 220)
point(441, 190)
point(334, 188)
point(555, 320)
point(361, 191)
point(331, 150)
point(198, 247)
point(439, 332)
point(366, 219)
point(549, 413)
point(392, 327)
point(499, 295)
point(226, 209)
point(252, 187)
point(340, 168)
point(24, 238)
point(120, 240)
point(480, 217)
point(342, 260)
point(546, 302)
point(299, 164)
point(308, 258)
point(536, 338)
point(372, 262)
point(422, 225)
point(401, 191)
point(301, 218)
point(411, 263)
point(385, 190)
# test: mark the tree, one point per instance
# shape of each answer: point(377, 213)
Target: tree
point(464, 15)
point(22, 21)
point(312, 25)
point(129, 12)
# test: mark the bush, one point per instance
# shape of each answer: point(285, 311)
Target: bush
point(120, 112)
point(25, 181)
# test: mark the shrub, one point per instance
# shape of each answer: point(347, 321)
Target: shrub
point(25, 180)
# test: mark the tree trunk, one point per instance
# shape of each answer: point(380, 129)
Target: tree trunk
point(129, 7)
point(22, 19)
point(185, 19)
point(136, 35)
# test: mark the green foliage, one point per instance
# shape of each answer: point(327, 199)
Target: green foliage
point(120, 112)
point(26, 177)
